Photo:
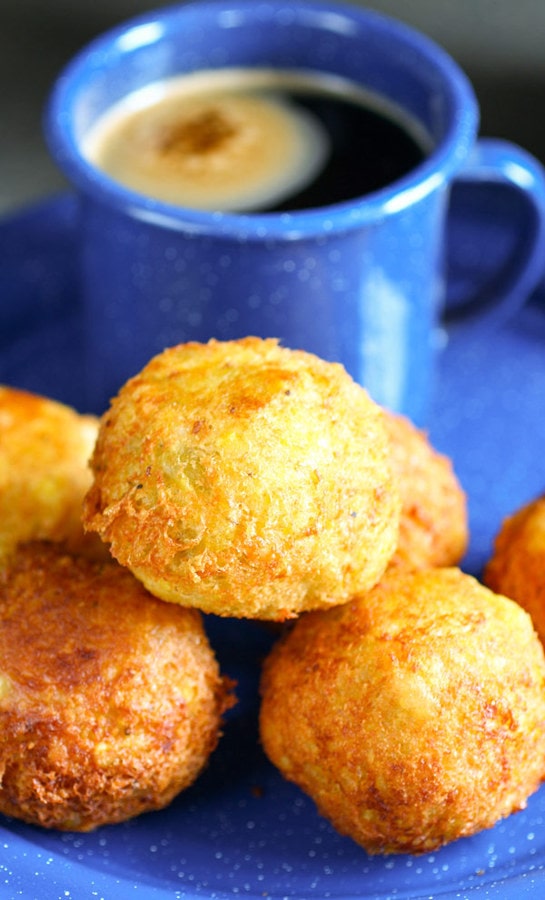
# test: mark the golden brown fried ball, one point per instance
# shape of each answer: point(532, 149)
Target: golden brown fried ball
point(44, 473)
point(433, 528)
point(517, 565)
point(110, 700)
point(245, 479)
point(412, 716)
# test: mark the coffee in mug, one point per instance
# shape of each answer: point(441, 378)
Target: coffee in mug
point(255, 140)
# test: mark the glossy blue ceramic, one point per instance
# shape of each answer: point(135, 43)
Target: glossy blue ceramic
point(361, 282)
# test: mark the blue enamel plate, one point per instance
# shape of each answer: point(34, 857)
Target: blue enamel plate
point(241, 830)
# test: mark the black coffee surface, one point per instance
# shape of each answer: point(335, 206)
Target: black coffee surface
point(369, 151)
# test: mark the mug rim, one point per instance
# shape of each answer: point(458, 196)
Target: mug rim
point(437, 168)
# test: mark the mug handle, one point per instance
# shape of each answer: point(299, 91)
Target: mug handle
point(495, 233)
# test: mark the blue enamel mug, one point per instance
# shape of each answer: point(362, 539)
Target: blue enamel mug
point(362, 281)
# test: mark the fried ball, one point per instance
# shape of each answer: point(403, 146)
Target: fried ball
point(414, 715)
point(245, 479)
point(110, 700)
point(433, 528)
point(517, 565)
point(44, 452)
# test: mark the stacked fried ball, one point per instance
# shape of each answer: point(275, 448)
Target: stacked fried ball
point(413, 715)
point(110, 701)
point(245, 479)
point(248, 480)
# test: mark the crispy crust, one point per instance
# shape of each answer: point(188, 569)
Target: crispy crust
point(44, 452)
point(433, 528)
point(110, 700)
point(414, 715)
point(245, 479)
point(517, 565)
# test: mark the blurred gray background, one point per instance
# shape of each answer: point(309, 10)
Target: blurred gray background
point(499, 43)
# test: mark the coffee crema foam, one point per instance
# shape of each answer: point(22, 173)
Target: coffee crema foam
point(215, 140)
